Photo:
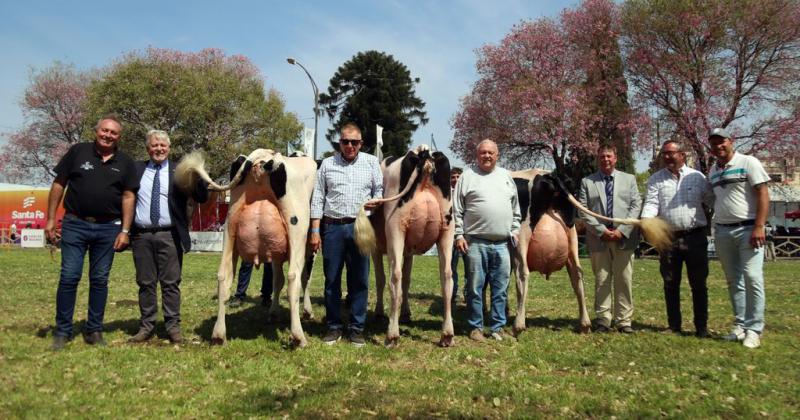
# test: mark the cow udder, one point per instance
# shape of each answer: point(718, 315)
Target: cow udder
point(422, 221)
point(261, 234)
point(549, 246)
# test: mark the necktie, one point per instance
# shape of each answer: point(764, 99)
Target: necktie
point(609, 196)
point(155, 198)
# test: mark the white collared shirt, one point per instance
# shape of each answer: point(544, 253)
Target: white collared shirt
point(678, 199)
point(143, 198)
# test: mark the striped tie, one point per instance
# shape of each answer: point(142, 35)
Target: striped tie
point(609, 196)
point(155, 198)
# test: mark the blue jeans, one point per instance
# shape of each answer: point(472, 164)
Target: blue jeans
point(454, 268)
point(77, 237)
point(743, 267)
point(339, 250)
point(245, 271)
point(487, 261)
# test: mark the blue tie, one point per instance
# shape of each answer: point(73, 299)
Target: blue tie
point(609, 196)
point(155, 198)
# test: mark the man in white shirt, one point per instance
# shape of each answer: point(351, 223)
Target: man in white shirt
point(740, 213)
point(677, 193)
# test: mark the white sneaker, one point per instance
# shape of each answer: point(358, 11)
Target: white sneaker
point(497, 336)
point(751, 339)
point(737, 334)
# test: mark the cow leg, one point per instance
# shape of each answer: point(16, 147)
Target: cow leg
point(380, 284)
point(297, 248)
point(405, 309)
point(576, 277)
point(227, 267)
point(308, 311)
point(522, 274)
point(445, 248)
point(277, 286)
point(395, 252)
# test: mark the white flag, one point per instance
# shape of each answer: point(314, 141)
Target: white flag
point(379, 142)
point(308, 142)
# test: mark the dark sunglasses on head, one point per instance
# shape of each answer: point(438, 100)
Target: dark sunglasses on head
point(349, 142)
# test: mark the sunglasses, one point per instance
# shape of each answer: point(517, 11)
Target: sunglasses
point(349, 142)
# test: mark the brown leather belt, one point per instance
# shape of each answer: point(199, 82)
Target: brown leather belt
point(333, 221)
point(91, 219)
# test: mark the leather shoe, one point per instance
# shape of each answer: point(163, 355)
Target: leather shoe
point(141, 336)
point(600, 328)
point(59, 342)
point(175, 336)
point(627, 329)
point(702, 334)
point(94, 339)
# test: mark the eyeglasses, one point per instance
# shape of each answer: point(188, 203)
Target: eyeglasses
point(349, 142)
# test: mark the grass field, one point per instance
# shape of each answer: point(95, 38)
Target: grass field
point(550, 371)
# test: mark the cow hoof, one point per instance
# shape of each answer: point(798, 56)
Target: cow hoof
point(307, 316)
point(217, 341)
point(447, 340)
point(518, 330)
point(299, 342)
point(391, 343)
point(405, 319)
point(585, 329)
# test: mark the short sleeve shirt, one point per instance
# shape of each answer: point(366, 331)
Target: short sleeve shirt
point(733, 188)
point(94, 187)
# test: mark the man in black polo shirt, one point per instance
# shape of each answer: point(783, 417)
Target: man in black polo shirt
point(100, 181)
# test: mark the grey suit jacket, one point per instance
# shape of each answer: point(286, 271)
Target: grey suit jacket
point(627, 204)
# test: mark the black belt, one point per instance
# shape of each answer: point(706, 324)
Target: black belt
point(687, 232)
point(333, 221)
point(152, 229)
point(744, 223)
point(93, 219)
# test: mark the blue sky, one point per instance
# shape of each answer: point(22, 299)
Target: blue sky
point(436, 40)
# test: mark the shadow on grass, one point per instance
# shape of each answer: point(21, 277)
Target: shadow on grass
point(128, 326)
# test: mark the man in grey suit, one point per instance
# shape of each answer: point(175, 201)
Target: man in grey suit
point(611, 193)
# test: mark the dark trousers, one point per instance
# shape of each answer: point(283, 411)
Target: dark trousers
point(78, 237)
point(245, 272)
point(158, 257)
point(339, 250)
point(692, 250)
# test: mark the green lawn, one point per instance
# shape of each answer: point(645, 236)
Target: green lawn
point(550, 371)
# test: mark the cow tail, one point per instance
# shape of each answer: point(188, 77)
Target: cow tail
point(656, 230)
point(191, 167)
point(364, 234)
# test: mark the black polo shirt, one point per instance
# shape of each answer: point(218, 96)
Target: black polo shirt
point(94, 187)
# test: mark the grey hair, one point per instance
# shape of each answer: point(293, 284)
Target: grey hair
point(158, 134)
point(111, 117)
point(487, 141)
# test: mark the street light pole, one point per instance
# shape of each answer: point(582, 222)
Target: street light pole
point(292, 61)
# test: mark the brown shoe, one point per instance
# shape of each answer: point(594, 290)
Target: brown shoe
point(141, 336)
point(477, 335)
point(175, 336)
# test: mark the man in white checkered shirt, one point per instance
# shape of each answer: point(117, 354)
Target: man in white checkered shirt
point(677, 194)
point(345, 181)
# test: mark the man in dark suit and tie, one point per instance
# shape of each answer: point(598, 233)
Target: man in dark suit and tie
point(611, 193)
point(160, 236)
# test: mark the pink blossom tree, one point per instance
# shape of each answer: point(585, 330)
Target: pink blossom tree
point(53, 109)
point(549, 93)
point(716, 63)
